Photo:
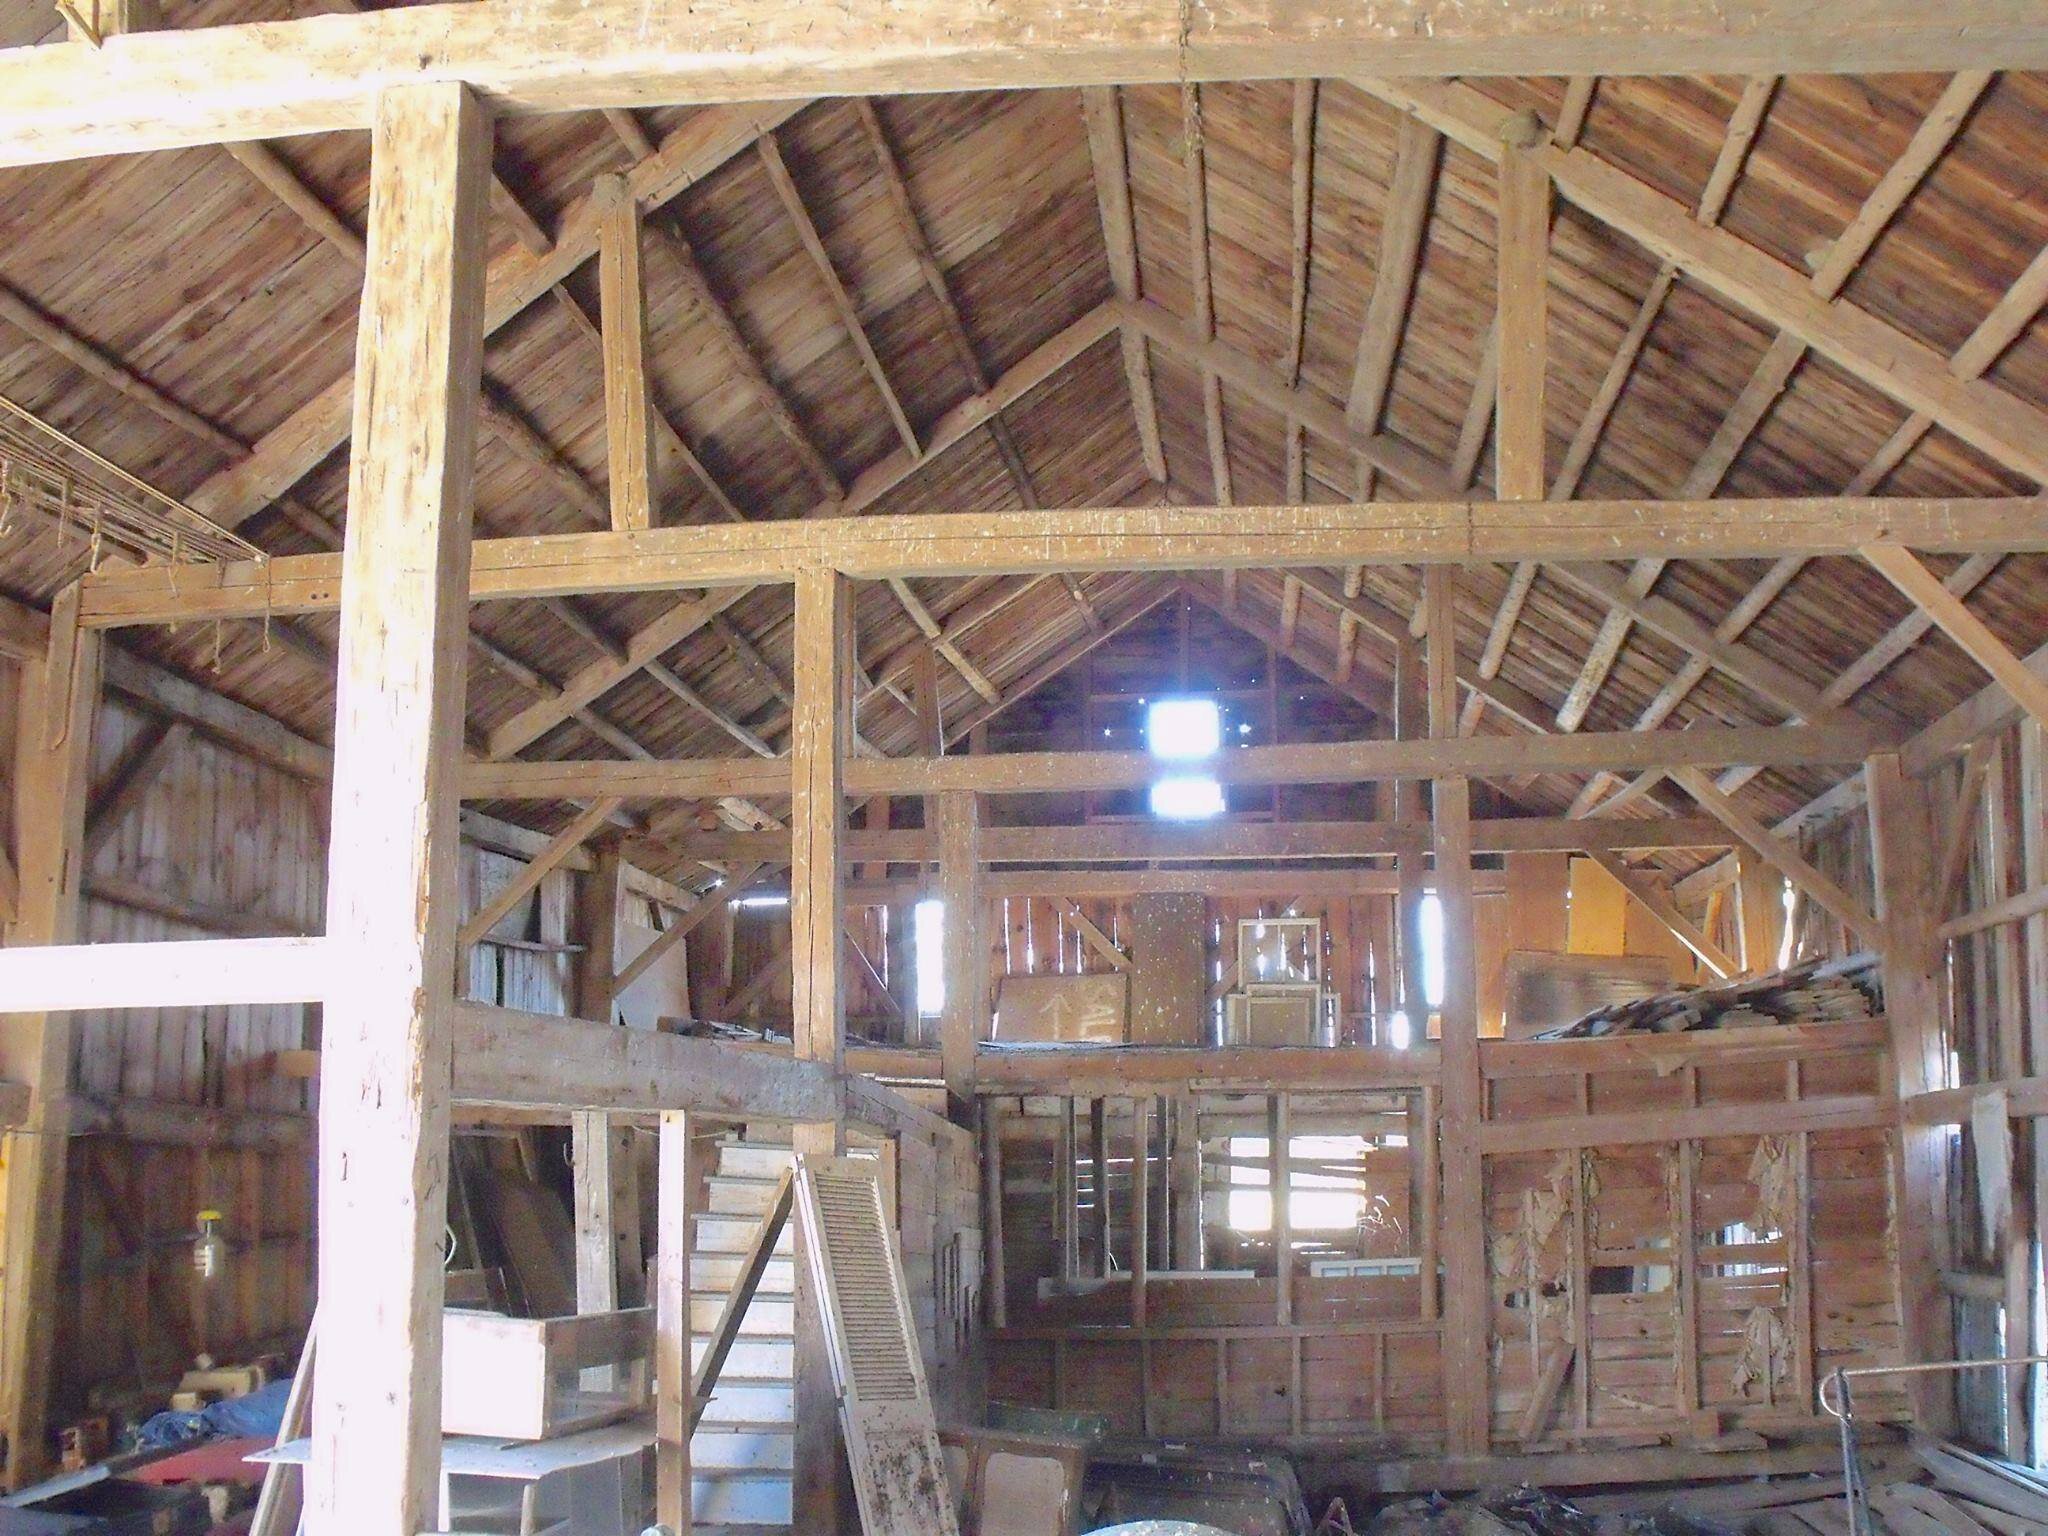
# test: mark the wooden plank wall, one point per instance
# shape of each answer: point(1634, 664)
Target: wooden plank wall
point(1997, 1027)
point(214, 833)
point(1649, 1289)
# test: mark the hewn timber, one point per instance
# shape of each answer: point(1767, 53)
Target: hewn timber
point(1092, 539)
point(1114, 843)
point(394, 892)
point(161, 90)
point(1012, 773)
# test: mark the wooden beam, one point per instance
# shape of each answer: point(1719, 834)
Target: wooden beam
point(1467, 1291)
point(964, 1018)
point(1523, 281)
point(283, 183)
point(1776, 851)
point(818, 756)
point(537, 869)
point(1768, 678)
point(710, 905)
point(786, 193)
point(1902, 844)
point(1102, 539)
point(1294, 763)
point(1665, 910)
point(622, 295)
point(393, 892)
point(753, 372)
point(1551, 1133)
point(515, 1060)
point(601, 676)
point(1774, 372)
point(516, 280)
point(2006, 428)
point(320, 74)
point(51, 741)
point(677, 1401)
point(129, 780)
point(1924, 588)
point(1103, 110)
point(820, 743)
point(1111, 843)
point(168, 973)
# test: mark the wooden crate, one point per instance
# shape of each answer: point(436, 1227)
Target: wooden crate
point(529, 1378)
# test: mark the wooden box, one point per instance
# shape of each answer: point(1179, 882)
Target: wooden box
point(530, 1378)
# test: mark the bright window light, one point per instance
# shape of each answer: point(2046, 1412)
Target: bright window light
point(1190, 797)
point(1785, 942)
point(1317, 1201)
point(1432, 922)
point(928, 936)
point(1400, 1034)
point(765, 899)
point(1183, 730)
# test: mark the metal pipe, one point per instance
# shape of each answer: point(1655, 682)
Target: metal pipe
point(1843, 1410)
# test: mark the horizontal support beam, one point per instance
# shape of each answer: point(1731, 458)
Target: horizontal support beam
point(1633, 1127)
point(506, 1058)
point(1012, 773)
point(702, 778)
point(1354, 761)
point(1092, 539)
point(517, 1060)
point(159, 1122)
point(1648, 1051)
point(162, 90)
point(1227, 840)
point(177, 973)
point(2026, 1098)
point(1111, 1072)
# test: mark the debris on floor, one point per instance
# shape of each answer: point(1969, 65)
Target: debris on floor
point(1237, 1493)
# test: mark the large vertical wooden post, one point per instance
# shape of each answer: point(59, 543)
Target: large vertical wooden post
point(1411, 721)
point(1903, 842)
point(1467, 1288)
point(965, 1016)
point(609, 1253)
point(820, 736)
point(675, 1187)
point(51, 773)
point(393, 900)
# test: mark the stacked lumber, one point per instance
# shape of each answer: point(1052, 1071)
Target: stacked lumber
point(1944, 1491)
point(1820, 991)
point(1991, 1495)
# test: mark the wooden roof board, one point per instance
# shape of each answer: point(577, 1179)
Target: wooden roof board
point(199, 280)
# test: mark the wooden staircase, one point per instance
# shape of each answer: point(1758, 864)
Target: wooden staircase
point(740, 1455)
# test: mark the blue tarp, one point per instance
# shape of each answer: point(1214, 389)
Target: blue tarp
point(257, 1415)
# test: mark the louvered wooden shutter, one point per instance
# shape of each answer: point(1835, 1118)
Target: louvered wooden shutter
point(892, 1439)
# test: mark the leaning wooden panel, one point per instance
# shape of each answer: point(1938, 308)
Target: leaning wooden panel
point(892, 1442)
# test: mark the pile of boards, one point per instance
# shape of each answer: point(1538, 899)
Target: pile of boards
point(1940, 1490)
point(1816, 992)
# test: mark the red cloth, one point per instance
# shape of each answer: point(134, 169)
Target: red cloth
point(217, 1461)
